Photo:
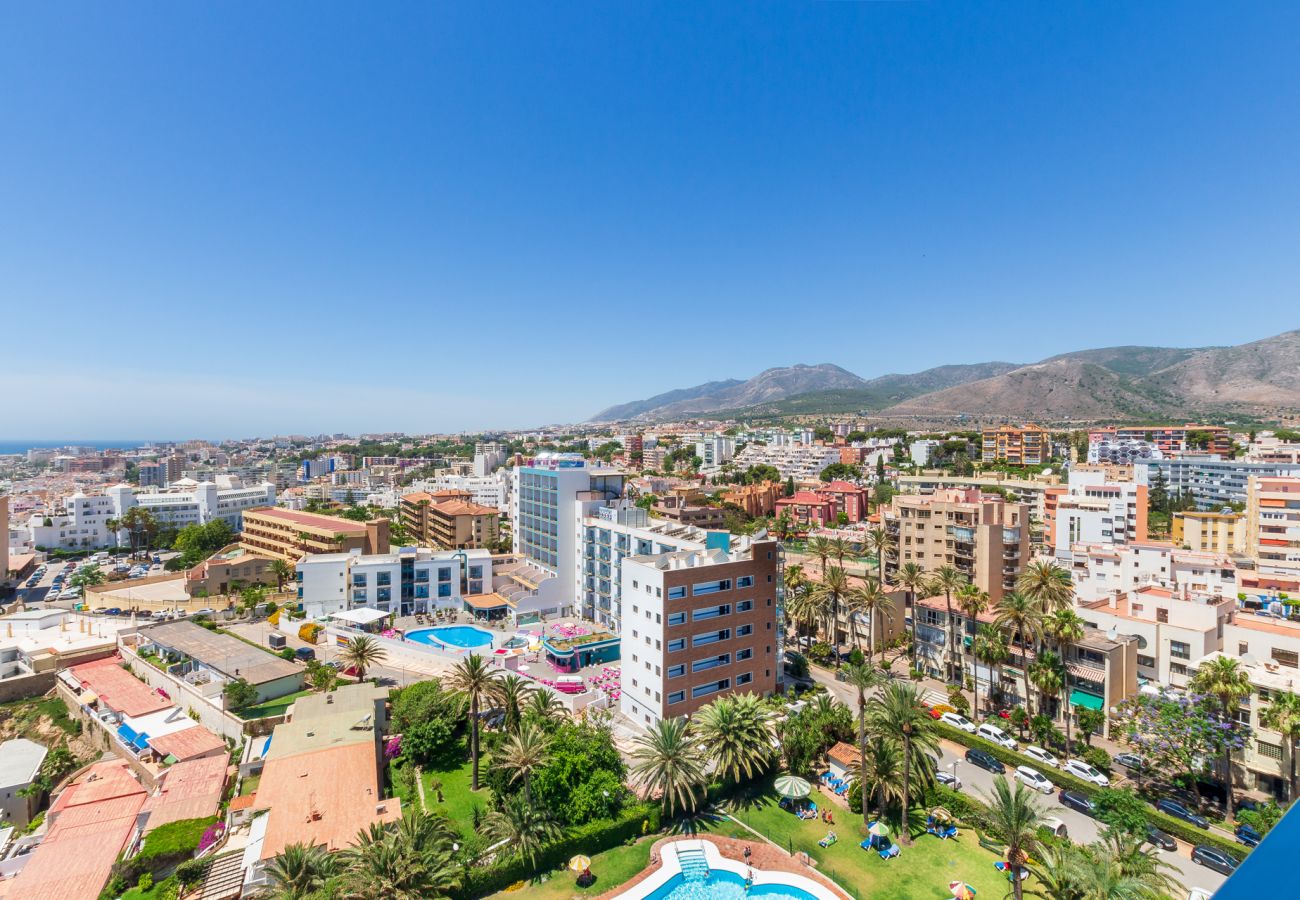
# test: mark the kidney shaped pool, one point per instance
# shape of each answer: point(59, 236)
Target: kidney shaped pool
point(463, 636)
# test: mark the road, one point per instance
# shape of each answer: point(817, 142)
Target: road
point(1083, 829)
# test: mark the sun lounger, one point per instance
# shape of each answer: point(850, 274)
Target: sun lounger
point(830, 838)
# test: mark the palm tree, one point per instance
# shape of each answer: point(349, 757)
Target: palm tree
point(840, 548)
point(512, 692)
point(362, 653)
point(1225, 680)
point(990, 648)
point(667, 763)
point(392, 862)
point(1065, 627)
point(820, 547)
point(1060, 873)
point(830, 591)
point(913, 579)
point(1020, 616)
point(1047, 584)
point(475, 681)
point(948, 580)
point(282, 572)
point(1135, 862)
point(524, 753)
point(299, 871)
point(544, 708)
point(897, 712)
point(1283, 716)
point(881, 543)
point(114, 528)
point(806, 609)
point(793, 581)
point(972, 602)
point(526, 828)
point(735, 734)
point(1013, 817)
point(1047, 672)
point(880, 775)
point(869, 599)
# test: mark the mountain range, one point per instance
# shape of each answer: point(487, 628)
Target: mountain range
point(1261, 378)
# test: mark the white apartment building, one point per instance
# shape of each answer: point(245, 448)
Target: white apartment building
point(802, 462)
point(409, 581)
point(715, 450)
point(1213, 481)
point(81, 524)
point(492, 490)
point(1097, 511)
point(1100, 570)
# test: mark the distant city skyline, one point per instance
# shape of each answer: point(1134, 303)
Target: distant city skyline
point(240, 220)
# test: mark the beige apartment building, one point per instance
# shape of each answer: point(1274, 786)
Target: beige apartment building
point(983, 536)
point(1212, 532)
point(1273, 523)
point(289, 534)
point(1025, 446)
point(449, 520)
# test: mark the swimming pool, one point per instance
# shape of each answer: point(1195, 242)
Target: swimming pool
point(722, 885)
point(696, 870)
point(465, 636)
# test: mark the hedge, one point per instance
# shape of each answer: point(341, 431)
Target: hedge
point(589, 839)
point(1167, 823)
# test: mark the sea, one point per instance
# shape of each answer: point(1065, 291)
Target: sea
point(8, 447)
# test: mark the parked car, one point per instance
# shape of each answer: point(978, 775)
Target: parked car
point(206, 611)
point(985, 760)
point(1035, 779)
point(1248, 836)
point(1215, 859)
point(1158, 838)
point(113, 611)
point(1129, 760)
point(957, 720)
point(1173, 808)
point(70, 594)
point(304, 653)
point(1039, 755)
point(334, 664)
point(1078, 802)
point(996, 735)
point(948, 779)
point(1087, 772)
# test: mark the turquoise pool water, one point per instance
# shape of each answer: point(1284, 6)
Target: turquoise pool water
point(722, 885)
point(466, 636)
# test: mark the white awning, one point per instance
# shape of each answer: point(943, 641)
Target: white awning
point(362, 615)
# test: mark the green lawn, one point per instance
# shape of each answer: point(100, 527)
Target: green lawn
point(162, 888)
point(611, 868)
point(921, 872)
point(274, 707)
point(249, 785)
point(458, 801)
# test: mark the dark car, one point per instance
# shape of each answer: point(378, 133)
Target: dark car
point(1158, 838)
point(1213, 858)
point(305, 653)
point(1078, 802)
point(985, 760)
point(1248, 836)
point(1178, 811)
point(113, 611)
point(1129, 760)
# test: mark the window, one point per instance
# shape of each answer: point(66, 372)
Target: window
point(704, 690)
point(712, 662)
point(1162, 615)
point(359, 580)
point(744, 581)
point(747, 653)
point(676, 671)
point(677, 618)
point(712, 612)
point(1267, 750)
point(475, 571)
point(744, 678)
point(711, 637)
point(744, 606)
point(711, 587)
point(444, 590)
point(444, 574)
point(744, 630)
point(384, 578)
point(676, 593)
point(1242, 648)
point(679, 644)
point(1180, 650)
point(676, 697)
point(1148, 661)
point(1286, 658)
point(1177, 669)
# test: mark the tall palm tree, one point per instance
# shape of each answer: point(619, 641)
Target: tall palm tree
point(387, 863)
point(793, 580)
point(528, 829)
point(897, 712)
point(511, 692)
point(523, 753)
point(840, 548)
point(830, 591)
point(544, 708)
point(881, 543)
point(805, 609)
point(1047, 584)
point(820, 547)
point(972, 602)
point(1023, 620)
point(114, 528)
point(282, 572)
point(475, 681)
point(1065, 628)
point(363, 652)
point(869, 599)
point(914, 579)
point(880, 775)
point(1135, 860)
point(1013, 817)
point(990, 648)
point(1060, 873)
point(667, 762)
point(300, 870)
point(1226, 681)
point(1283, 716)
point(735, 734)
point(948, 580)
point(1047, 672)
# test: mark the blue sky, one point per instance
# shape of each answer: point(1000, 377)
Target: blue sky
point(246, 218)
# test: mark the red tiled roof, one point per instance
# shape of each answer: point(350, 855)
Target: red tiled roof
point(189, 790)
point(189, 743)
point(118, 688)
point(311, 520)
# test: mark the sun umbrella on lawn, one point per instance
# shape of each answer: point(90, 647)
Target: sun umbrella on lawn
point(878, 829)
point(961, 890)
point(579, 864)
point(792, 787)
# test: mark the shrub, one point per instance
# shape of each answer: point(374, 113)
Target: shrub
point(855, 797)
point(1097, 758)
point(286, 654)
point(146, 882)
point(821, 653)
point(192, 871)
point(856, 657)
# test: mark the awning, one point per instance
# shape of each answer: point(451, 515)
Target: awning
point(1086, 700)
point(362, 615)
point(1087, 673)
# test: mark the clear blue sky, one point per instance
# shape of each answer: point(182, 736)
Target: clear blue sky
point(246, 218)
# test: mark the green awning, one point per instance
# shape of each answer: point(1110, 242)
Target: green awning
point(1089, 701)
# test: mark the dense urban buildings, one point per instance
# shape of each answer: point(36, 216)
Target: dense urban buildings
point(1025, 446)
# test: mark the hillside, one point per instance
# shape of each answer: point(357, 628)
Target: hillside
point(1262, 373)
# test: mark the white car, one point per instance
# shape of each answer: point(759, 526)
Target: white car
point(1039, 755)
point(957, 720)
point(948, 779)
point(1035, 779)
point(1081, 769)
point(70, 594)
point(997, 735)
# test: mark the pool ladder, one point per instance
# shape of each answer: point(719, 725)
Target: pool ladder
point(693, 864)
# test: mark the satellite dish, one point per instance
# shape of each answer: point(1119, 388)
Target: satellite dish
point(1112, 632)
point(1248, 659)
point(1047, 471)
